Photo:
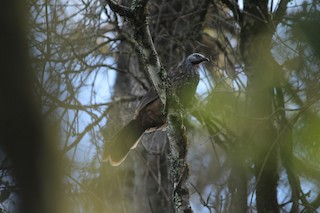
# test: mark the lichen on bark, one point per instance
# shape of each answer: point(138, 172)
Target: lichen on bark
point(179, 170)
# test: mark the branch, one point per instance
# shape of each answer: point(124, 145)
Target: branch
point(234, 7)
point(121, 10)
point(280, 12)
point(85, 131)
point(144, 46)
point(139, 4)
point(179, 169)
point(204, 202)
point(306, 168)
point(316, 202)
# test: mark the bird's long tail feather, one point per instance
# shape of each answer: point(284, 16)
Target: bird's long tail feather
point(127, 138)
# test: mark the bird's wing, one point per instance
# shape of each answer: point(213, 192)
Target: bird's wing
point(149, 97)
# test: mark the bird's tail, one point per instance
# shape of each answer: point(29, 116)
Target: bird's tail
point(126, 139)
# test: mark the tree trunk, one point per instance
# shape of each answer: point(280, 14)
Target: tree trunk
point(256, 39)
point(23, 138)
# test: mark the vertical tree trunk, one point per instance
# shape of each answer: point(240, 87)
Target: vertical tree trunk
point(179, 169)
point(238, 184)
point(120, 181)
point(22, 136)
point(256, 39)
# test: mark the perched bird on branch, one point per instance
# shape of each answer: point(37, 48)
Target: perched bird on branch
point(149, 114)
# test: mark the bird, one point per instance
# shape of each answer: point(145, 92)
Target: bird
point(149, 113)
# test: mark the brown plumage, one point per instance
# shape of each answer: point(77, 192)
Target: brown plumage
point(184, 82)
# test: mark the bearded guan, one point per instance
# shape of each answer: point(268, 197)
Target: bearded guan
point(149, 114)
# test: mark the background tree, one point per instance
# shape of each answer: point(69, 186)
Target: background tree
point(29, 173)
point(253, 135)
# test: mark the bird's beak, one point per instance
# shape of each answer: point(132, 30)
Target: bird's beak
point(203, 59)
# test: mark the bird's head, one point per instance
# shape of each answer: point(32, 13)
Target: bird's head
point(196, 58)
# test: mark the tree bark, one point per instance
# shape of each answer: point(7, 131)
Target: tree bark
point(179, 169)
